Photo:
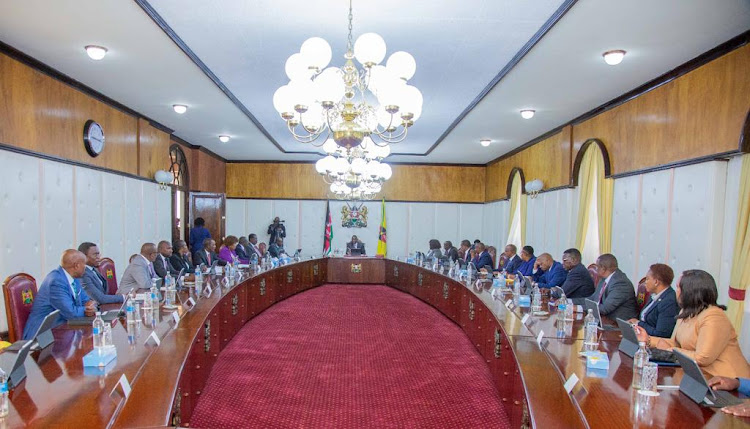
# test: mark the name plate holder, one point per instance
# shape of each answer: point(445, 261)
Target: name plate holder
point(124, 385)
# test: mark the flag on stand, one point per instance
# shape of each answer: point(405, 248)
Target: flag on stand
point(382, 237)
point(327, 231)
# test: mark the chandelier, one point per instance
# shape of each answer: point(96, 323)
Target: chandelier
point(355, 114)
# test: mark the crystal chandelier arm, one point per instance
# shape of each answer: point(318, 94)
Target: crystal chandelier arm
point(389, 137)
point(310, 137)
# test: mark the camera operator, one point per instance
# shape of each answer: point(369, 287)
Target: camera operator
point(276, 230)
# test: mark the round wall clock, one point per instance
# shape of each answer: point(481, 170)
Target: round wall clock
point(93, 138)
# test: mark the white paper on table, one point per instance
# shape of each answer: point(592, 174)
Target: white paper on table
point(571, 383)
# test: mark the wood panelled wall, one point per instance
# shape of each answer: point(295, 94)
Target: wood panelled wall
point(207, 173)
point(695, 116)
point(430, 183)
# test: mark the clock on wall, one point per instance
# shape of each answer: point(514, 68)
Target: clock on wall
point(93, 138)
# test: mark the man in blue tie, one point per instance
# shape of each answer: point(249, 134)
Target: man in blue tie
point(61, 290)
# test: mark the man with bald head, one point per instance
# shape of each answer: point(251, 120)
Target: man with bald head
point(61, 290)
point(548, 272)
point(139, 273)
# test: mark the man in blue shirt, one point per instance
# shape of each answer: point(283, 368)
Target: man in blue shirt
point(742, 385)
point(61, 290)
point(527, 256)
point(549, 273)
point(197, 234)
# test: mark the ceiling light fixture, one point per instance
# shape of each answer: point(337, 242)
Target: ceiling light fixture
point(485, 142)
point(615, 57)
point(527, 114)
point(223, 138)
point(179, 108)
point(96, 52)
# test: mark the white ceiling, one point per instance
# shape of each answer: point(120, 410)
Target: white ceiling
point(459, 48)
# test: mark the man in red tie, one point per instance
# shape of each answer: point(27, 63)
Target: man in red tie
point(614, 293)
point(207, 255)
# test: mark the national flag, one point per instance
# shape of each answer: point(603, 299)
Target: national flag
point(328, 231)
point(382, 236)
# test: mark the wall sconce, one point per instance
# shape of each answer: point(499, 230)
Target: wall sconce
point(533, 188)
point(163, 178)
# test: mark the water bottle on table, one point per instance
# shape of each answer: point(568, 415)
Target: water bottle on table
point(130, 311)
point(98, 332)
point(4, 406)
point(591, 332)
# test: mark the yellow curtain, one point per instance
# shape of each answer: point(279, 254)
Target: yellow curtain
point(522, 197)
point(513, 199)
point(740, 277)
point(586, 178)
point(606, 191)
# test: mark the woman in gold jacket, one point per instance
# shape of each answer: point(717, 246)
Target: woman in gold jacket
point(703, 331)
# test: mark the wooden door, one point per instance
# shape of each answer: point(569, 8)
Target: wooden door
point(211, 208)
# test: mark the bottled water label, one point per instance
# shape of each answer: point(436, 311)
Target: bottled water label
point(96, 331)
point(3, 388)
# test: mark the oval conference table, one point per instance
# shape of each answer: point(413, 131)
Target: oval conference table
point(166, 380)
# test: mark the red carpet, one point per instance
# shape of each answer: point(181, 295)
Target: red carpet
point(350, 356)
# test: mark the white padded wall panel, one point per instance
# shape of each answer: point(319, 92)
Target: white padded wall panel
point(625, 225)
point(149, 217)
point(446, 224)
point(537, 215)
point(421, 226)
point(490, 224)
point(654, 224)
point(731, 205)
point(57, 212)
point(88, 205)
point(259, 214)
point(235, 218)
point(133, 206)
point(397, 227)
point(502, 211)
point(164, 214)
point(312, 222)
point(113, 222)
point(697, 216)
point(567, 210)
point(20, 235)
point(470, 222)
point(288, 211)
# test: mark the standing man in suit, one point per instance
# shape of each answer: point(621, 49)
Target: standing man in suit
point(482, 258)
point(139, 273)
point(578, 283)
point(162, 266)
point(276, 230)
point(61, 290)
point(355, 244)
point(180, 258)
point(198, 234)
point(659, 315)
point(253, 248)
point(450, 252)
point(93, 281)
point(548, 273)
point(514, 261)
point(208, 255)
point(614, 293)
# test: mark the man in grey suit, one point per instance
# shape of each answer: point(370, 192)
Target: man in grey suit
point(139, 273)
point(93, 282)
point(614, 293)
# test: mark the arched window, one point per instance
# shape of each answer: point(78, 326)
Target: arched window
point(596, 191)
point(517, 217)
point(180, 187)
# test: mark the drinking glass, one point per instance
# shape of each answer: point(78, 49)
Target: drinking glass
point(648, 379)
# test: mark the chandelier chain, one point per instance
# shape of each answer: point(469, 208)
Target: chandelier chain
point(350, 44)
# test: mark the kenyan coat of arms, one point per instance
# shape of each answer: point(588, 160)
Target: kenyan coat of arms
point(354, 216)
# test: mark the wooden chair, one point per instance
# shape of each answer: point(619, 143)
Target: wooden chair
point(107, 269)
point(19, 291)
point(502, 262)
point(642, 295)
point(594, 276)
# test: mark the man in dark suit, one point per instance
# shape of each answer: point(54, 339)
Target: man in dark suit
point(614, 293)
point(61, 290)
point(463, 250)
point(355, 244)
point(578, 283)
point(243, 249)
point(207, 255)
point(548, 273)
point(162, 266)
point(93, 281)
point(449, 251)
point(180, 258)
point(277, 248)
point(482, 258)
point(514, 261)
point(253, 248)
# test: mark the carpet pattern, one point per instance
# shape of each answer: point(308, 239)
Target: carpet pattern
point(350, 356)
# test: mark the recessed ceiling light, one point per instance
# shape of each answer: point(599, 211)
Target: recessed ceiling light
point(96, 52)
point(615, 57)
point(527, 114)
point(223, 138)
point(179, 108)
point(485, 142)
